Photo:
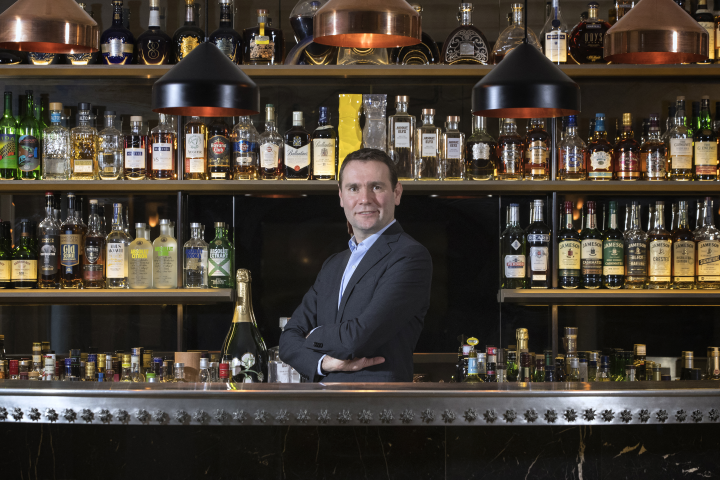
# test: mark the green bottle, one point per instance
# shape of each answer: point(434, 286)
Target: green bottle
point(220, 259)
point(29, 137)
point(8, 142)
point(5, 258)
point(24, 258)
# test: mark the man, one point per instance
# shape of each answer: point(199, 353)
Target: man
point(362, 318)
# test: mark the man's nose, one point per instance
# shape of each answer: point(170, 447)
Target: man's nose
point(366, 194)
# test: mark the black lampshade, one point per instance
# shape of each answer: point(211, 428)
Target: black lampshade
point(206, 83)
point(526, 84)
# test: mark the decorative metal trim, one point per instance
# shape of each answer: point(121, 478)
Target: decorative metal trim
point(201, 417)
point(302, 416)
point(69, 414)
point(160, 417)
point(490, 416)
point(550, 416)
point(407, 416)
point(3, 413)
point(344, 416)
point(50, 414)
point(661, 415)
point(282, 416)
point(530, 415)
point(470, 415)
point(34, 414)
point(122, 416)
point(17, 414)
point(589, 414)
point(570, 415)
point(220, 415)
point(142, 415)
point(365, 416)
point(181, 416)
point(644, 416)
point(509, 416)
point(105, 416)
point(681, 415)
point(87, 415)
point(240, 416)
point(386, 416)
point(696, 416)
point(626, 416)
point(448, 416)
point(323, 416)
point(607, 415)
point(714, 414)
point(427, 415)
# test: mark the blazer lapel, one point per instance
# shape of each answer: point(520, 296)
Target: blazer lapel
point(337, 279)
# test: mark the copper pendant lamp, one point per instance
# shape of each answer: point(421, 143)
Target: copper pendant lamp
point(656, 32)
point(367, 24)
point(51, 26)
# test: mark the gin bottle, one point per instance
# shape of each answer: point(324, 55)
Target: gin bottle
point(56, 147)
point(572, 157)
point(245, 150)
point(537, 150)
point(513, 246)
point(84, 139)
point(116, 251)
point(480, 152)
point(659, 252)
point(163, 147)
point(48, 247)
point(272, 161)
point(195, 267)
point(140, 268)
point(680, 145)
point(591, 253)
point(94, 251)
point(165, 274)
point(636, 252)
point(195, 152)
point(453, 150)
point(8, 141)
point(135, 151)
point(29, 139)
point(708, 251)
point(466, 45)
point(325, 148)
point(401, 130)
point(510, 152)
point(613, 253)
point(110, 149)
point(683, 258)
point(428, 148)
point(220, 259)
point(653, 153)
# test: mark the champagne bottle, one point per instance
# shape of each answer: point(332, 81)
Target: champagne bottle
point(243, 345)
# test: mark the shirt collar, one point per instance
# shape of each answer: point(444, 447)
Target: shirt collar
point(368, 242)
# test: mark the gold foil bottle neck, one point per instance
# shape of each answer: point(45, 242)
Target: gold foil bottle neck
point(243, 275)
point(627, 119)
point(522, 336)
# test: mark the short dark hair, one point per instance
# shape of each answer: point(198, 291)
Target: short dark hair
point(370, 155)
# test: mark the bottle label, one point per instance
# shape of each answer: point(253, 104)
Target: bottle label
point(636, 264)
point(573, 160)
point(116, 260)
point(70, 250)
point(8, 150)
point(515, 266)
point(48, 252)
point(194, 145)
point(600, 160)
point(402, 134)
point(681, 153)
point(660, 267)
point(134, 158)
point(195, 258)
point(162, 157)
point(92, 254)
point(269, 154)
point(116, 48)
point(538, 261)
point(683, 260)
point(613, 257)
point(466, 42)
point(472, 366)
point(324, 157)
point(219, 151)
point(453, 148)
point(5, 269)
point(655, 163)
point(708, 252)
point(710, 27)
point(28, 159)
point(537, 153)
point(297, 158)
point(429, 145)
point(24, 270)
point(226, 46)
point(244, 154)
point(82, 166)
point(591, 259)
point(706, 158)
point(187, 45)
point(481, 151)
point(628, 163)
point(569, 258)
point(510, 158)
point(556, 46)
point(261, 48)
point(219, 262)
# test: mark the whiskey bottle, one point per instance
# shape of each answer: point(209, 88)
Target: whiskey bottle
point(245, 150)
point(537, 148)
point(513, 36)
point(401, 132)
point(48, 248)
point(513, 246)
point(220, 259)
point(154, 47)
point(165, 273)
point(587, 37)
point(189, 36)
point(140, 259)
point(659, 252)
point(324, 148)
point(600, 151)
point(428, 140)
point(572, 155)
point(569, 248)
point(8, 141)
point(683, 258)
point(708, 251)
point(136, 147)
point(195, 253)
point(591, 253)
point(706, 145)
point(163, 148)
point(56, 147)
point(453, 150)
point(94, 251)
point(424, 53)
point(706, 19)
point(653, 153)
point(219, 150)
point(225, 37)
point(627, 152)
point(297, 150)
point(117, 251)
point(699, 216)
point(538, 239)
point(480, 152)
point(29, 138)
point(466, 45)
point(84, 140)
point(680, 145)
point(263, 44)
point(555, 36)
point(71, 248)
point(110, 150)
point(24, 258)
point(117, 42)
point(510, 152)
point(195, 152)
point(613, 253)
point(272, 160)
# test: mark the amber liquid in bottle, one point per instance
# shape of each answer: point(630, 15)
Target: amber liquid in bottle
point(627, 153)
point(71, 248)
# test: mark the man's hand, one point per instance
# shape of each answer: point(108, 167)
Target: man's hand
point(330, 364)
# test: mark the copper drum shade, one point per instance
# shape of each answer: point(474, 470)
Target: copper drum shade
point(51, 26)
point(526, 85)
point(656, 32)
point(206, 83)
point(367, 24)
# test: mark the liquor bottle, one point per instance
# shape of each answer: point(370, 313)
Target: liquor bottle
point(189, 36)
point(272, 160)
point(538, 239)
point(537, 149)
point(220, 259)
point(569, 248)
point(94, 251)
point(510, 152)
point(56, 147)
point(481, 160)
point(636, 252)
point(706, 19)
point(680, 145)
point(263, 45)
point(708, 251)
point(428, 139)
point(116, 251)
point(324, 148)
point(591, 261)
point(136, 147)
point(163, 148)
point(424, 53)
point(613, 253)
point(453, 150)
point(683, 258)
point(49, 246)
point(587, 37)
point(466, 45)
point(243, 344)
point(622, 7)
point(555, 36)
point(195, 152)
point(245, 150)
point(8, 142)
point(653, 153)
point(126, 375)
point(301, 21)
point(513, 36)
point(513, 244)
point(154, 47)
point(573, 154)
point(24, 259)
point(165, 274)
point(627, 152)
point(219, 150)
point(140, 259)
point(226, 38)
point(29, 140)
point(71, 248)
point(659, 252)
point(706, 145)
point(117, 42)
point(401, 130)
point(195, 268)
point(135, 365)
point(110, 150)
point(84, 141)
point(472, 373)
point(600, 151)
point(297, 150)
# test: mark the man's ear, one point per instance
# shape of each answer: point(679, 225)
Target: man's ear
point(398, 193)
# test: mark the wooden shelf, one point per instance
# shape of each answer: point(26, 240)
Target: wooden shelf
point(117, 297)
point(609, 297)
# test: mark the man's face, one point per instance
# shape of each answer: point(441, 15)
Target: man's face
point(367, 196)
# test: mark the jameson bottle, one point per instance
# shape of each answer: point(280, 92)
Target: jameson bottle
point(683, 258)
point(94, 258)
point(613, 253)
point(71, 248)
point(48, 246)
point(8, 142)
point(708, 251)
point(514, 249)
point(244, 345)
point(220, 259)
point(24, 258)
point(636, 252)
point(568, 251)
point(538, 239)
point(659, 251)
point(591, 251)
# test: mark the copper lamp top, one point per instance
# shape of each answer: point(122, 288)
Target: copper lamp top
point(367, 24)
point(51, 26)
point(656, 32)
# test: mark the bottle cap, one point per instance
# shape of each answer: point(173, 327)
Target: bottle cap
point(68, 362)
point(157, 360)
point(428, 111)
point(100, 377)
point(452, 118)
point(92, 357)
point(137, 351)
point(83, 106)
point(75, 352)
point(136, 118)
point(179, 365)
point(297, 116)
point(402, 99)
point(56, 106)
point(204, 363)
point(109, 113)
point(141, 225)
point(196, 225)
point(574, 363)
point(224, 370)
point(640, 349)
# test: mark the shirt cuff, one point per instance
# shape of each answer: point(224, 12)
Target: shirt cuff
point(319, 369)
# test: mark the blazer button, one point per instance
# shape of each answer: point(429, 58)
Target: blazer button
point(317, 345)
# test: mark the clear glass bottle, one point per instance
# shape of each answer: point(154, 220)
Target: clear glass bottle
point(453, 150)
point(140, 259)
point(163, 149)
point(117, 42)
point(189, 35)
point(627, 153)
point(154, 47)
point(94, 251)
point(538, 239)
point(480, 152)
point(126, 375)
point(424, 53)
point(683, 258)
point(84, 140)
point(466, 45)
point(680, 145)
point(56, 147)
point(220, 259)
point(116, 251)
point(706, 145)
point(513, 35)
point(297, 150)
point(204, 375)
point(401, 142)
point(600, 152)
point(29, 137)
point(179, 372)
point(374, 133)
point(225, 37)
point(653, 153)
point(428, 148)
point(48, 234)
point(573, 154)
point(510, 152)
point(325, 148)
point(555, 36)
point(8, 141)
point(513, 246)
point(537, 151)
point(245, 150)
point(195, 151)
point(135, 366)
point(591, 251)
point(708, 251)
point(136, 147)
point(71, 247)
point(165, 261)
point(659, 252)
point(195, 266)
point(272, 160)
point(613, 252)
point(110, 149)
point(636, 252)
point(362, 56)
point(263, 44)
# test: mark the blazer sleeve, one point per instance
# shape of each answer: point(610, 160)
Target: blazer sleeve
point(401, 295)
